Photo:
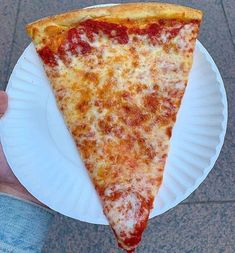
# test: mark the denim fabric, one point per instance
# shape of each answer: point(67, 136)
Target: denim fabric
point(23, 225)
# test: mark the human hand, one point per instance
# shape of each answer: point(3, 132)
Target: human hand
point(8, 182)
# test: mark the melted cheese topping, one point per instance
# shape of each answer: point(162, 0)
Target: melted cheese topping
point(120, 103)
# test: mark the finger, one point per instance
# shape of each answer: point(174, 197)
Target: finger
point(3, 102)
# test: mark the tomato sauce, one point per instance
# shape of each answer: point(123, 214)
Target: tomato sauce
point(78, 39)
point(154, 29)
point(139, 228)
point(74, 44)
point(114, 31)
point(47, 56)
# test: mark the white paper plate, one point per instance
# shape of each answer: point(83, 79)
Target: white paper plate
point(40, 150)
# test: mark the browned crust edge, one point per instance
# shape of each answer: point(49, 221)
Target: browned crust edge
point(132, 11)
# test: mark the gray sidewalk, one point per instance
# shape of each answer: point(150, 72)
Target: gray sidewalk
point(205, 221)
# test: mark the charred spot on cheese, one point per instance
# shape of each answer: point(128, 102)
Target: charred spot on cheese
point(150, 151)
point(106, 124)
point(151, 102)
point(169, 131)
point(164, 156)
point(125, 95)
point(101, 91)
point(87, 147)
point(167, 111)
point(60, 92)
point(82, 106)
point(168, 47)
point(80, 128)
point(91, 77)
point(89, 166)
point(159, 180)
point(156, 87)
point(132, 115)
point(135, 57)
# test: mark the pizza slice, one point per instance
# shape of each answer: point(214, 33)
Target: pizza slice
point(119, 74)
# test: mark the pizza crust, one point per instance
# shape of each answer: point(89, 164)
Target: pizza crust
point(132, 11)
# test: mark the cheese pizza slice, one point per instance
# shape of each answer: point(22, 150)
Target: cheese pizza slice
point(118, 74)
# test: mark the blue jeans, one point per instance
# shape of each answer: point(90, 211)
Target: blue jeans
point(23, 225)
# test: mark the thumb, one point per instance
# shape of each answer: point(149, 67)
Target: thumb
point(3, 102)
